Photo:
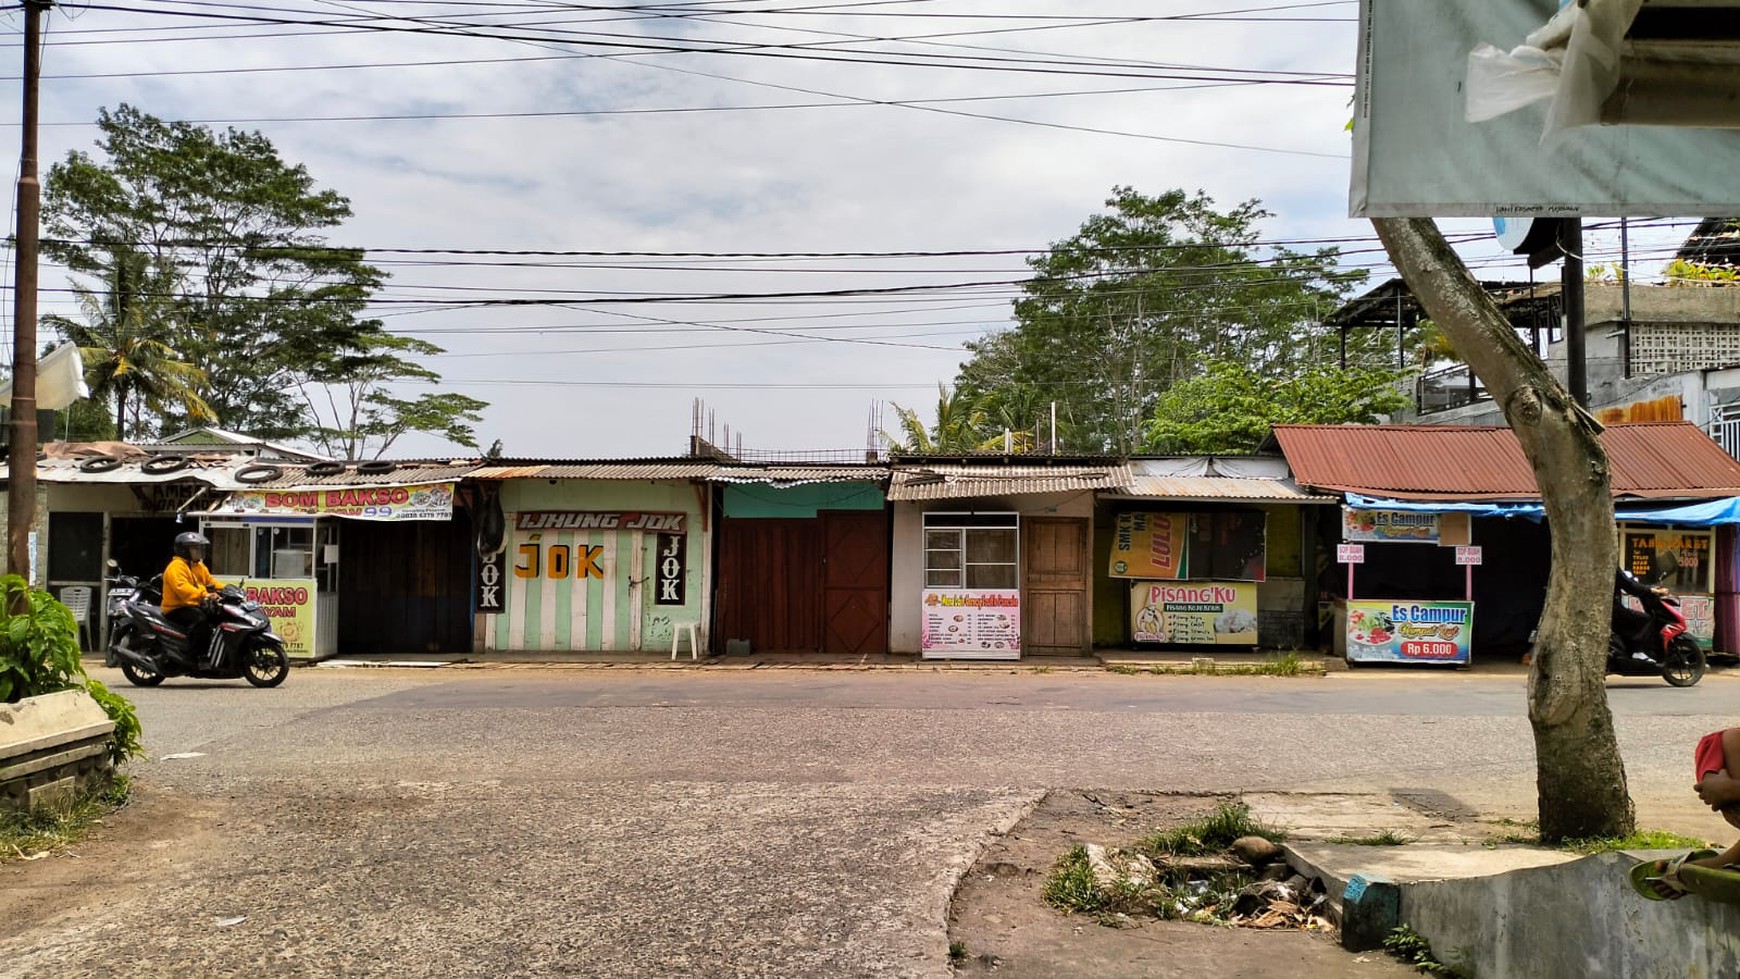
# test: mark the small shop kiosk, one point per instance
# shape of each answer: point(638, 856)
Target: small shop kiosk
point(1371, 628)
point(282, 548)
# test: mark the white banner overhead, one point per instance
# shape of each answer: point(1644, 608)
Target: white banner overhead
point(1604, 108)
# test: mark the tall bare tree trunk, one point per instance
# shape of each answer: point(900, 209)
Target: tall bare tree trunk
point(1580, 778)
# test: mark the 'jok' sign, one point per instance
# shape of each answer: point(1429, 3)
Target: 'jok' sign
point(669, 565)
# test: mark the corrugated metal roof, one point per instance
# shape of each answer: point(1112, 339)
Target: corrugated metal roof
point(957, 482)
point(222, 474)
point(1650, 460)
point(1217, 488)
point(700, 469)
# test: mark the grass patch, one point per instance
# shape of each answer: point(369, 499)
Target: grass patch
point(1211, 834)
point(1412, 948)
point(957, 952)
point(48, 828)
point(1042, 669)
point(1388, 837)
point(1643, 839)
point(1123, 669)
point(1071, 887)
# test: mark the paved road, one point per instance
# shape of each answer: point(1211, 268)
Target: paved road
point(713, 823)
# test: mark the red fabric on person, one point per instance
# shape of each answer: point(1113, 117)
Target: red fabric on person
point(1708, 756)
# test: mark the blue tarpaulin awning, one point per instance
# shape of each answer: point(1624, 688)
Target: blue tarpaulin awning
point(1700, 513)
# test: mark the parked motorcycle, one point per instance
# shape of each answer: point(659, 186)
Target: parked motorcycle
point(1664, 649)
point(149, 648)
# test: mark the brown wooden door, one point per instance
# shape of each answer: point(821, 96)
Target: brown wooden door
point(855, 582)
point(770, 585)
point(1054, 594)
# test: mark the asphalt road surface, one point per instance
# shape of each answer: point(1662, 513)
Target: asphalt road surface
point(451, 822)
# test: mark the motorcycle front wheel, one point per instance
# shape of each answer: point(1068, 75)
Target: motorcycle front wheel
point(265, 664)
point(139, 676)
point(1685, 662)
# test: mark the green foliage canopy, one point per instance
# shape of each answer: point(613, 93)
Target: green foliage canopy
point(1231, 408)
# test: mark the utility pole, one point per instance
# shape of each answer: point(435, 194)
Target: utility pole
point(1571, 290)
point(21, 461)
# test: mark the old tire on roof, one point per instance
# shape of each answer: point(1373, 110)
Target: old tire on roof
point(164, 464)
point(259, 472)
point(101, 464)
point(324, 468)
point(376, 467)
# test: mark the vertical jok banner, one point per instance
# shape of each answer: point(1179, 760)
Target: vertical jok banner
point(669, 570)
point(491, 592)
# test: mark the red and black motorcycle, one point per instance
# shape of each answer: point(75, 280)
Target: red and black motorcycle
point(1662, 648)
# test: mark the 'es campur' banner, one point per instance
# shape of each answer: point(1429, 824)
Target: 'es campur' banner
point(426, 501)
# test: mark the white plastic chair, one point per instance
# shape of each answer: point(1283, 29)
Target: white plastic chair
point(77, 599)
point(694, 644)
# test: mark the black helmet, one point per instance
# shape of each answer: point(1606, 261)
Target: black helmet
point(184, 544)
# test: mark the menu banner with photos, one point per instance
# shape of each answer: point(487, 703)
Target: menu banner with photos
point(971, 624)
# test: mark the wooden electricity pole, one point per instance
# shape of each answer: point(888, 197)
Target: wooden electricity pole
point(21, 461)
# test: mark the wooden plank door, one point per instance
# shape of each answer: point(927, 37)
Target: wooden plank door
point(855, 582)
point(1054, 594)
point(770, 584)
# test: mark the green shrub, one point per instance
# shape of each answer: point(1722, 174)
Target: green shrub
point(1211, 834)
point(39, 646)
point(39, 653)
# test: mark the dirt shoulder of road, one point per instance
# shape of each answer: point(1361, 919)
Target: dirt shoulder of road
point(1001, 923)
point(133, 848)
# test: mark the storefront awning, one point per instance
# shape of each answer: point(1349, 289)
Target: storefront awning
point(1700, 513)
point(967, 481)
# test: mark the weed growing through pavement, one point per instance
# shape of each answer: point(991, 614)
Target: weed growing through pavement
point(1412, 948)
point(1211, 834)
point(957, 952)
point(23, 835)
point(1388, 837)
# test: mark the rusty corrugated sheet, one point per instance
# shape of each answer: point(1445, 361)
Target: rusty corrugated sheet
point(1215, 488)
point(955, 482)
point(1668, 409)
point(1653, 460)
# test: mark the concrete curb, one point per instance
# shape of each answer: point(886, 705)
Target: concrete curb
point(1551, 913)
point(942, 896)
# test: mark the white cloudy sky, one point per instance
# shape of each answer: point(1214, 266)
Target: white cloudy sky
point(560, 136)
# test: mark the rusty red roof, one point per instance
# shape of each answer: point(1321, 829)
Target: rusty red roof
point(1650, 460)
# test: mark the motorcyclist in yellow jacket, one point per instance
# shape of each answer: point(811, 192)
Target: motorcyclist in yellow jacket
point(186, 584)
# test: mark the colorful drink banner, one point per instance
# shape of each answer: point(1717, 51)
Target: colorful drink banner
point(289, 604)
point(1409, 632)
point(1195, 613)
point(1226, 546)
point(1389, 525)
point(426, 501)
point(971, 624)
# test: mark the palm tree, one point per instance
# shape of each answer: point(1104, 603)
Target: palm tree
point(959, 428)
point(124, 354)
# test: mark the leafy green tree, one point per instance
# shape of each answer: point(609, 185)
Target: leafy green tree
point(1232, 407)
point(1143, 296)
point(127, 360)
point(233, 244)
point(360, 414)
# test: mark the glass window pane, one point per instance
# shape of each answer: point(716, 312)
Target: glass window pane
point(942, 559)
point(989, 546)
point(942, 579)
point(942, 540)
point(991, 576)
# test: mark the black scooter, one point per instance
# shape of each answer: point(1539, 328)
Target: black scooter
point(1662, 649)
point(149, 648)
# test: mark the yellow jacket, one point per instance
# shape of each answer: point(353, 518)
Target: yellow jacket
point(185, 584)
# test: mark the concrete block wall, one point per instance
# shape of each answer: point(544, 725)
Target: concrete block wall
point(1579, 918)
point(52, 748)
